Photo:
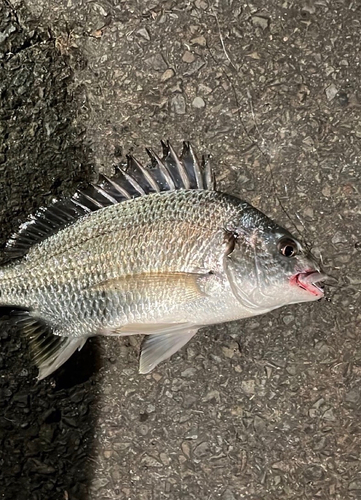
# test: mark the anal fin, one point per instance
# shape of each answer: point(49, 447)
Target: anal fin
point(49, 351)
point(160, 346)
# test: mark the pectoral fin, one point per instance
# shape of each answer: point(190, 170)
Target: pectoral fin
point(161, 346)
point(182, 287)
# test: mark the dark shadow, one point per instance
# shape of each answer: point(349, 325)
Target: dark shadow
point(46, 428)
point(80, 367)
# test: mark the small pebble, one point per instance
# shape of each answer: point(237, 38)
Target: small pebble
point(248, 386)
point(188, 372)
point(228, 495)
point(198, 102)
point(331, 92)
point(204, 89)
point(199, 40)
point(178, 104)
point(355, 485)
point(188, 57)
point(309, 8)
point(150, 461)
point(186, 449)
point(260, 22)
point(201, 4)
point(167, 75)
point(229, 353)
point(289, 318)
point(192, 433)
point(353, 396)
point(164, 458)
point(156, 62)
point(329, 415)
point(201, 449)
point(144, 33)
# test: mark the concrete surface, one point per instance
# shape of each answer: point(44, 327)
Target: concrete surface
point(267, 408)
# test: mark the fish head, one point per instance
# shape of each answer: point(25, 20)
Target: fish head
point(267, 267)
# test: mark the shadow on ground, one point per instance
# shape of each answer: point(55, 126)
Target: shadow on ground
point(46, 428)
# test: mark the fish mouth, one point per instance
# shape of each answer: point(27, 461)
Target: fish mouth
point(310, 281)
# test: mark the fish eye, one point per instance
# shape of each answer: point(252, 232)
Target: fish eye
point(288, 247)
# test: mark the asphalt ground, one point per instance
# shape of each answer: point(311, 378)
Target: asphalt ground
point(267, 408)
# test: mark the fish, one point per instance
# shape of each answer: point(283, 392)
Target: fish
point(155, 250)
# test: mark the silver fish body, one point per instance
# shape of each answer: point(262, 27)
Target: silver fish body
point(128, 263)
point(163, 264)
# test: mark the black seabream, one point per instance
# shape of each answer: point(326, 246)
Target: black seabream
point(153, 250)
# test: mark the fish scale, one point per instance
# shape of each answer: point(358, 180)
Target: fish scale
point(108, 245)
point(159, 253)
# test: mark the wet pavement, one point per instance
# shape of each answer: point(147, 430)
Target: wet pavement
point(267, 408)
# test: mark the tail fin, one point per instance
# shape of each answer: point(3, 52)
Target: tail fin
point(49, 351)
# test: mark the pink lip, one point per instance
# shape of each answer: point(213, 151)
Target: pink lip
point(307, 281)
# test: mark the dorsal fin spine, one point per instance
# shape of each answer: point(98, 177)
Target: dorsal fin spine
point(183, 174)
point(105, 195)
point(197, 168)
point(56, 214)
point(118, 188)
point(79, 204)
point(145, 173)
point(31, 233)
point(43, 223)
point(163, 168)
point(92, 200)
point(134, 183)
point(35, 229)
point(169, 173)
point(208, 174)
point(60, 210)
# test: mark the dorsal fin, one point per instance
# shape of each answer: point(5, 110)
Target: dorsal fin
point(169, 173)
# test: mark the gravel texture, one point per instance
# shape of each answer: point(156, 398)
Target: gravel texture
point(268, 408)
